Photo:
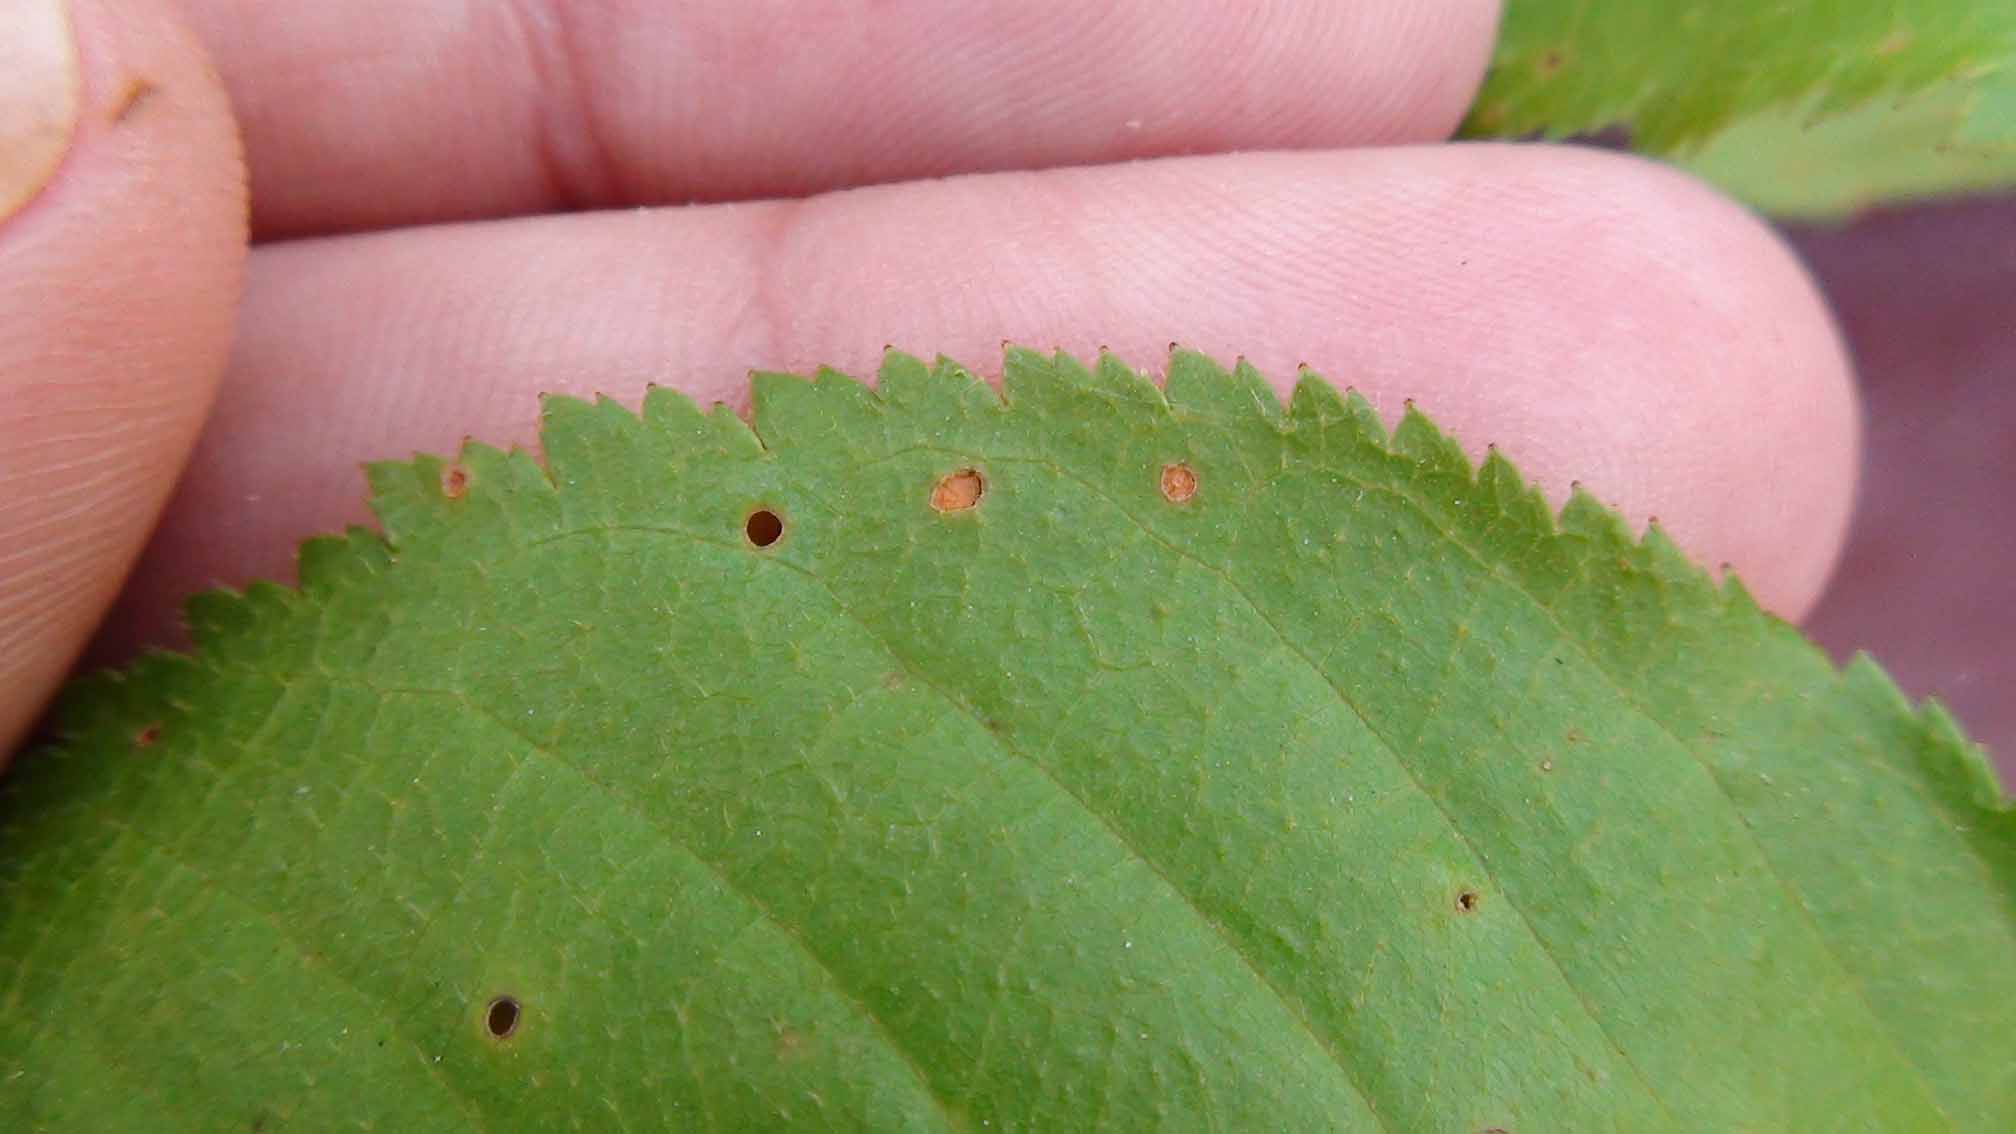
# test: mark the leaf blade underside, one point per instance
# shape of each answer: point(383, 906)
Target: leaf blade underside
point(1356, 791)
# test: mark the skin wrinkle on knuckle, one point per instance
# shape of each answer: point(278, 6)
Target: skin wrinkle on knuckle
point(770, 297)
point(569, 134)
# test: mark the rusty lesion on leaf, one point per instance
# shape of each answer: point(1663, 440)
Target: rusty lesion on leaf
point(790, 1043)
point(148, 736)
point(959, 491)
point(1179, 482)
point(455, 482)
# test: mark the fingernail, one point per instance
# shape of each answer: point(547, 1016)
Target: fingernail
point(38, 96)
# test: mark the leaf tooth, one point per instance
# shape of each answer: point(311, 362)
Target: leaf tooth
point(1034, 382)
point(495, 472)
point(685, 433)
point(145, 693)
point(669, 411)
point(402, 493)
point(1112, 375)
point(1366, 419)
point(1194, 382)
point(1435, 452)
point(975, 395)
point(1070, 376)
point(939, 393)
point(1952, 760)
point(1522, 508)
point(1332, 426)
point(437, 502)
point(945, 369)
point(791, 411)
point(573, 428)
point(1736, 597)
point(224, 622)
point(833, 382)
point(1315, 404)
point(560, 409)
point(1659, 555)
point(1197, 385)
point(1256, 395)
point(1975, 770)
point(1025, 371)
point(903, 379)
point(1590, 519)
point(214, 616)
point(338, 562)
point(732, 432)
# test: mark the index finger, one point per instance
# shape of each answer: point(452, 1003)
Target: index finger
point(376, 113)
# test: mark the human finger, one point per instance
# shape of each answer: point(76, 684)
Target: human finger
point(1600, 318)
point(377, 113)
point(122, 242)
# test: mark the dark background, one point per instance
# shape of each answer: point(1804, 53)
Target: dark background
point(1926, 296)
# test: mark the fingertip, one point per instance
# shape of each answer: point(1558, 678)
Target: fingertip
point(118, 284)
point(1745, 394)
point(1442, 53)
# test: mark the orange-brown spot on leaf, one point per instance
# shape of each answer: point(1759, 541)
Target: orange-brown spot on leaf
point(959, 491)
point(454, 482)
point(1179, 482)
point(147, 736)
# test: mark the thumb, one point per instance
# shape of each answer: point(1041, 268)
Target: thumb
point(122, 243)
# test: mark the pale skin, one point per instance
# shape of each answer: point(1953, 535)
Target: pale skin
point(937, 176)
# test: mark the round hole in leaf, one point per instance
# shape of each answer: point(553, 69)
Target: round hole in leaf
point(1467, 901)
point(501, 1018)
point(763, 527)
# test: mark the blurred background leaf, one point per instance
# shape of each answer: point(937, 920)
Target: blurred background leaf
point(1808, 108)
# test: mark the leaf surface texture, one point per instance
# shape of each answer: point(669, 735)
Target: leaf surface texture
point(1328, 783)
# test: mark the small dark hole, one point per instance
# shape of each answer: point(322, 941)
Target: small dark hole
point(1466, 901)
point(502, 1018)
point(764, 527)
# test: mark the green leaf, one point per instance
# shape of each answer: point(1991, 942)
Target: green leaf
point(1089, 755)
point(1814, 107)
